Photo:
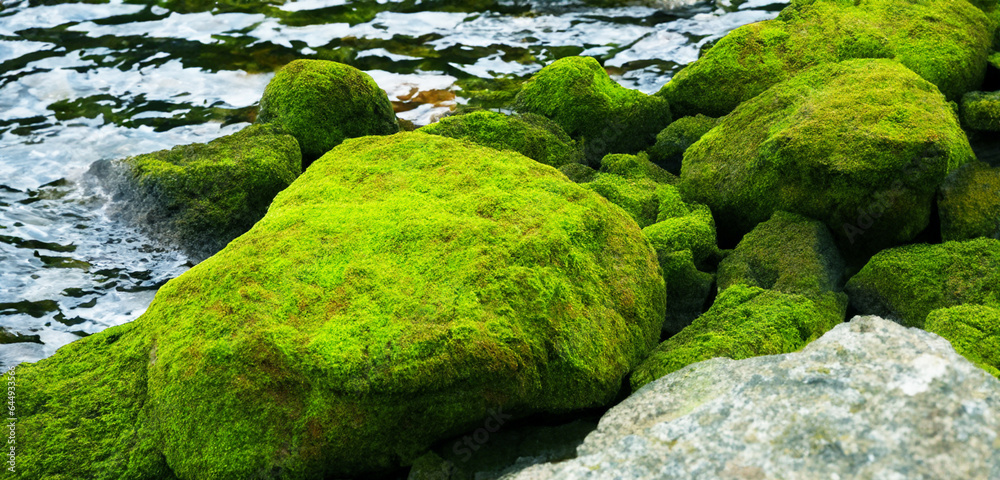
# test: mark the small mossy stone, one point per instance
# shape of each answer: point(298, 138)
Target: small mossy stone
point(860, 145)
point(944, 41)
point(974, 332)
point(906, 283)
point(688, 289)
point(202, 196)
point(637, 196)
point(745, 322)
point(671, 204)
point(322, 103)
point(969, 203)
point(592, 108)
point(533, 136)
point(981, 111)
point(578, 173)
point(694, 231)
point(788, 253)
point(636, 166)
point(673, 141)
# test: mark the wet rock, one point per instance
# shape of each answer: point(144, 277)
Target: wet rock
point(870, 399)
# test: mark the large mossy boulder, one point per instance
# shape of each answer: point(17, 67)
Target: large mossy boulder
point(322, 103)
point(673, 141)
point(981, 111)
point(944, 41)
point(788, 253)
point(906, 283)
point(407, 283)
point(969, 203)
point(974, 331)
point(860, 145)
point(606, 117)
point(744, 322)
point(533, 136)
point(202, 196)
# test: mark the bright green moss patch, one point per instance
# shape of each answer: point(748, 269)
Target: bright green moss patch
point(744, 322)
point(636, 166)
point(533, 136)
point(969, 203)
point(637, 196)
point(578, 173)
point(974, 331)
point(204, 195)
point(694, 231)
point(906, 283)
point(606, 117)
point(673, 141)
point(944, 41)
point(321, 103)
point(860, 145)
point(788, 253)
point(981, 111)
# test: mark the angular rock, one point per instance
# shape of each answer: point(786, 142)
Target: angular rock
point(202, 196)
point(944, 41)
point(870, 399)
point(533, 136)
point(673, 141)
point(906, 283)
point(694, 231)
point(592, 108)
point(974, 332)
point(744, 322)
point(969, 203)
point(860, 145)
point(407, 283)
point(981, 111)
point(322, 103)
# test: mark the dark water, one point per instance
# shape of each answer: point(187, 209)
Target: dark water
point(81, 82)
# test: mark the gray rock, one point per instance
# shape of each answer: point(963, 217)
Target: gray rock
point(870, 400)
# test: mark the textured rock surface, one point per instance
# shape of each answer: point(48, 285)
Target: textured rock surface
point(869, 400)
point(969, 203)
point(673, 141)
point(974, 331)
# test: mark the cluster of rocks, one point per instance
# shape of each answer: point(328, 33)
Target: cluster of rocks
point(371, 294)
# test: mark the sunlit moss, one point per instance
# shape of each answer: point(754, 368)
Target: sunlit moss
point(974, 332)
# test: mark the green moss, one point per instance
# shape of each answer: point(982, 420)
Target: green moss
point(694, 231)
point(944, 41)
point(636, 166)
point(906, 283)
point(688, 289)
point(204, 195)
point(321, 103)
point(578, 173)
point(974, 332)
point(744, 322)
point(969, 203)
point(994, 58)
point(579, 95)
point(860, 145)
point(673, 141)
point(981, 111)
point(407, 283)
point(788, 253)
point(533, 136)
point(637, 196)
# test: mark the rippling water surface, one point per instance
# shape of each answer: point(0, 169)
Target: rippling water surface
point(81, 82)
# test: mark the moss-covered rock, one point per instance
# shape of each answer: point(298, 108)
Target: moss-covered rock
point(673, 141)
point(861, 145)
point(202, 196)
point(906, 283)
point(969, 203)
point(694, 231)
point(533, 136)
point(974, 332)
point(410, 283)
point(944, 41)
point(321, 103)
point(637, 196)
point(788, 253)
point(636, 166)
point(744, 322)
point(578, 173)
point(981, 111)
point(606, 117)
point(688, 289)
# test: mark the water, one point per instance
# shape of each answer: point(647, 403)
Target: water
point(81, 82)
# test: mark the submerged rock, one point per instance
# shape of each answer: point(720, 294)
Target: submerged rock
point(969, 203)
point(981, 111)
point(202, 196)
point(322, 103)
point(860, 145)
point(870, 399)
point(606, 117)
point(533, 136)
point(944, 41)
point(408, 283)
point(906, 283)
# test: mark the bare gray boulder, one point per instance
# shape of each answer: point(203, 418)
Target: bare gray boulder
point(869, 400)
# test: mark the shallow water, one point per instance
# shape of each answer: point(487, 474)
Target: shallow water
point(81, 82)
